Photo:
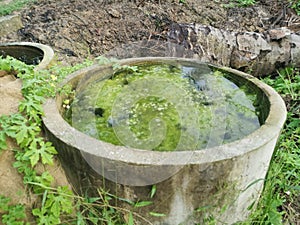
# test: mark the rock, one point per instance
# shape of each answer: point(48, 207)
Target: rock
point(114, 13)
point(259, 53)
point(3, 73)
point(10, 24)
point(277, 34)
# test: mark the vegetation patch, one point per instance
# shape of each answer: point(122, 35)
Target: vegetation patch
point(295, 4)
point(56, 204)
point(11, 6)
point(279, 203)
point(240, 3)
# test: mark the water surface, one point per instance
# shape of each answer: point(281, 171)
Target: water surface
point(166, 107)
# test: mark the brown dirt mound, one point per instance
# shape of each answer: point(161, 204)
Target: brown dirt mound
point(82, 28)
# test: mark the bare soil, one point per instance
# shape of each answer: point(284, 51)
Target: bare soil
point(87, 28)
point(77, 29)
point(11, 183)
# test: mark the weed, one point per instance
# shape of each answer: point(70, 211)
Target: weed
point(11, 214)
point(25, 128)
point(239, 3)
point(282, 183)
point(117, 68)
point(287, 83)
point(57, 204)
point(295, 4)
point(12, 6)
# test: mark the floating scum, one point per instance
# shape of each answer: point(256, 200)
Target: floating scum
point(141, 109)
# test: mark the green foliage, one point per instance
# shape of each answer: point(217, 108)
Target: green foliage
point(282, 185)
point(287, 83)
point(55, 203)
point(25, 125)
point(39, 149)
point(115, 65)
point(11, 214)
point(295, 4)
point(245, 2)
point(239, 3)
point(4, 203)
point(2, 135)
point(25, 128)
point(7, 8)
point(142, 204)
point(153, 191)
point(99, 210)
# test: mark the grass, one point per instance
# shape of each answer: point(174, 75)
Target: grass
point(245, 3)
point(239, 3)
point(280, 203)
point(8, 8)
point(295, 4)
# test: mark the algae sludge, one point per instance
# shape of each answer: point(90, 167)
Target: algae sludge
point(166, 107)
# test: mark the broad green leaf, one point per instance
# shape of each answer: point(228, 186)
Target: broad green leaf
point(34, 159)
point(55, 208)
point(21, 135)
point(40, 149)
point(45, 179)
point(66, 202)
point(49, 201)
point(38, 212)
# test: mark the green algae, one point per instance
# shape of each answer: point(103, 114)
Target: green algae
point(166, 107)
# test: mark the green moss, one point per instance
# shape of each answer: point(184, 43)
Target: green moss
point(165, 107)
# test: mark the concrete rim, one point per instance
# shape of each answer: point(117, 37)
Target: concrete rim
point(54, 123)
point(48, 53)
